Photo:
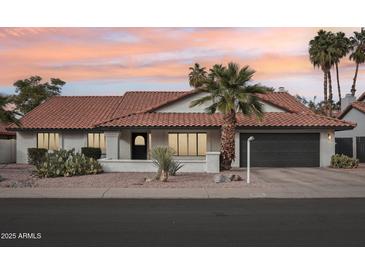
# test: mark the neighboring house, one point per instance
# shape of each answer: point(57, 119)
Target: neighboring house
point(7, 144)
point(127, 127)
point(352, 142)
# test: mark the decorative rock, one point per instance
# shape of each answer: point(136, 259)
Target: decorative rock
point(236, 178)
point(220, 178)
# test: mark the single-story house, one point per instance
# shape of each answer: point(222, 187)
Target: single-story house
point(127, 127)
point(352, 142)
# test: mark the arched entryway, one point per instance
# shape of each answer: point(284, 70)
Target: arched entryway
point(139, 146)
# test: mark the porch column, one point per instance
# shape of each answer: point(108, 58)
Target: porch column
point(112, 144)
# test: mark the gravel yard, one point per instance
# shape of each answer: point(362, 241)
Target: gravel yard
point(16, 175)
point(281, 179)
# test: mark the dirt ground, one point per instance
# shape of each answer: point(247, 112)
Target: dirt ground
point(17, 175)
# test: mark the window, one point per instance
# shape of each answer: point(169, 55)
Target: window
point(188, 144)
point(96, 140)
point(50, 141)
point(139, 141)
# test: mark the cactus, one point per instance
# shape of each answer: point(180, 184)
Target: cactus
point(67, 163)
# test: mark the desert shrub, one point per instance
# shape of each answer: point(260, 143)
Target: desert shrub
point(343, 161)
point(67, 163)
point(174, 167)
point(36, 155)
point(162, 159)
point(92, 152)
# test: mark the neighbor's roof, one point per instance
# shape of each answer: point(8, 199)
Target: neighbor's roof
point(136, 108)
point(270, 119)
point(4, 131)
point(358, 104)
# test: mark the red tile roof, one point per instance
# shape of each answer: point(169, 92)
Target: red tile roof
point(136, 109)
point(4, 131)
point(270, 119)
point(361, 97)
point(284, 101)
point(143, 101)
point(358, 104)
point(71, 112)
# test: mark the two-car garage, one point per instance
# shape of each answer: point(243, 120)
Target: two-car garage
point(281, 149)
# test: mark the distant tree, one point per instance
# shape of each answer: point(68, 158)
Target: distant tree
point(32, 92)
point(358, 53)
point(197, 75)
point(316, 107)
point(342, 48)
point(322, 54)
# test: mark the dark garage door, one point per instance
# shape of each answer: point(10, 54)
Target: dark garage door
point(344, 146)
point(281, 149)
point(360, 149)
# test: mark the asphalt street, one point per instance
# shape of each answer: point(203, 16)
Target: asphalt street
point(182, 222)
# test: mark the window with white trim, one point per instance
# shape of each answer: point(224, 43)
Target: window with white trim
point(188, 144)
point(48, 140)
point(96, 140)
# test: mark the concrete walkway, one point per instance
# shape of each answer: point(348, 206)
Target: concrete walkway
point(183, 193)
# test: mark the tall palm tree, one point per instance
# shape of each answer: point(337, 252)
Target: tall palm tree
point(322, 55)
point(342, 48)
point(228, 92)
point(197, 75)
point(7, 115)
point(358, 54)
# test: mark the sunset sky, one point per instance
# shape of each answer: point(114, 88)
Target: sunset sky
point(109, 61)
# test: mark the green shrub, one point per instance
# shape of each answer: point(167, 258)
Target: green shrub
point(162, 159)
point(67, 163)
point(92, 152)
point(36, 155)
point(343, 161)
point(174, 167)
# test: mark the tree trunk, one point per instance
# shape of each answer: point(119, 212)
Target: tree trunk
point(325, 99)
point(164, 176)
point(227, 145)
point(353, 88)
point(338, 85)
point(330, 94)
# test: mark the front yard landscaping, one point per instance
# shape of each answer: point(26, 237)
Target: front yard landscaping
point(16, 175)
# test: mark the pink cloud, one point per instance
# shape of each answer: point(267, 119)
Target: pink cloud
point(75, 54)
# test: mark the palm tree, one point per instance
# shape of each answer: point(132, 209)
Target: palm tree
point(322, 55)
point(7, 115)
point(358, 54)
point(196, 75)
point(228, 92)
point(342, 48)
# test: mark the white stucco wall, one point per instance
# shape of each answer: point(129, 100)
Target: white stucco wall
point(24, 140)
point(183, 106)
point(75, 140)
point(124, 144)
point(357, 117)
point(327, 146)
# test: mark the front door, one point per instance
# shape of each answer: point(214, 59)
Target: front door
point(139, 146)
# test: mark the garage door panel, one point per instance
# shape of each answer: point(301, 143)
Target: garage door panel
point(281, 150)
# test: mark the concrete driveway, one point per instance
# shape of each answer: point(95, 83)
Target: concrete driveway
point(310, 182)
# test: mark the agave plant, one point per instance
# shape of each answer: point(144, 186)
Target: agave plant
point(162, 159)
